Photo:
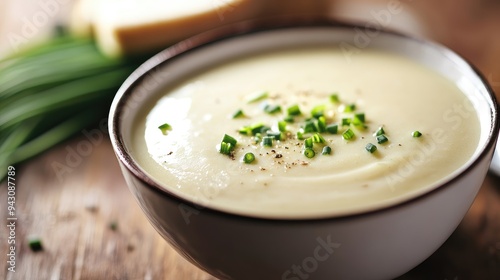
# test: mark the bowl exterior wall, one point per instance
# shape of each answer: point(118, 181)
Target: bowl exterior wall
point(380, 245)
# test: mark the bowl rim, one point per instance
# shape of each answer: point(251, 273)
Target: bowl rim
point(253, 26)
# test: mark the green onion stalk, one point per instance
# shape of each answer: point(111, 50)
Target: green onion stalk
point(52, 91)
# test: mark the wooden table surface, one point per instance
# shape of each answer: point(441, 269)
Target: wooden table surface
point(92, 228)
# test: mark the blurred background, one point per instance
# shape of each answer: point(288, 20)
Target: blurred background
point(77, 202)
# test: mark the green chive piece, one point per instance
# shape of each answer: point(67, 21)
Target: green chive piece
point(359, 119)
point(300, 135)
point(309, 153)
point(326, 150)
point(35, 244)
point(370, 148)
point(318, 111)
point(380, 131)
point(308, 143)
point(334, 98)
point(165, 128)
point(416, 134)
point(246, 130)
point(282, 126)
point(322, 124)
point(350, 108)
point(275, 134)
point(238, 114)
point(310, 126)
point(229, 139)
point(227, 145)
point(272, 109)
point(317, 138)
point(346, 121)
point(257, 138)
point(289, 119)
point(267, 141)
point(382, 139)
point(348, 134)
point(294, 110)
point(225, 148)
point(113, 225)
point(257, 96)
point(265, 129)
point(256, 128)
point(332, 128)
point(248, 158)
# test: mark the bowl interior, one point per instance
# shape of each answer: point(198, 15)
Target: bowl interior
point(191, 56)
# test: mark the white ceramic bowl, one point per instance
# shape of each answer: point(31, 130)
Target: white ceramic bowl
point(380, 244)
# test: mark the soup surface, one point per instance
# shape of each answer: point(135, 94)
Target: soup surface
point(362, 93)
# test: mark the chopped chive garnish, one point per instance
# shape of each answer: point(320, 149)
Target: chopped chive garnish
point(35, 244)
point(309, 153)
point(348, 134)
point(275, 134)
point(318, 111)
point(289, 119)
point(359, 119)
point(238, 114)
point(322, 124)
point(225, 148)
point(229, 139)
point(264, 129)
point(257, 138)
point(382, 139)
point(326, 150)
point(248, 158)
point(256, 128)
point(246, 130)
point(164, 128)
point(380, 131)
point(334, 98)
point(282, 126)
point(346, 121)
point(309, 126)
point(370, 148)
point(294, 110)
point(332, 128)
point(113, 225)
point(416, 134)
point(257, 96)
point(267, 141)
point(272, 109)
point(227, 145)
point(317, 138)
point(308, 143)
point(350, 108)
point(300, 135)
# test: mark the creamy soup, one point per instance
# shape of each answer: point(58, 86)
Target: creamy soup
point(370, 90)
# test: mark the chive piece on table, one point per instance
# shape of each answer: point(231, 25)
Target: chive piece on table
point(317, 138)
point(318, 111)
point(248, 158)
point(282, 126)
point(35, 244)
point(416, 134)
point(346, 121)
point(370, 148)
point(322, 124)
point(359, 119)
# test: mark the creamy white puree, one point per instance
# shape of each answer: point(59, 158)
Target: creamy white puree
point(392, 91)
